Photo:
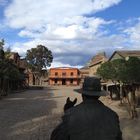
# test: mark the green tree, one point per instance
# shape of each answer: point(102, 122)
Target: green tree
point(1, 49)
point(106, 71)
point(131, 71)
point(125, 72)
point(9, 76)
point(39, 58)
point(121, 70)
point(9, 73)
point(2, 43)
point(7, 52)
point(119, 66)
point(116, 70)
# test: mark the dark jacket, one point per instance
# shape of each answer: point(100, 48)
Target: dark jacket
point(90, 120)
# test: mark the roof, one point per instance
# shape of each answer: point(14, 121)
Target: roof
point(23, 63)
point(85, 67)
point(127, 53)
point(63, 68)
point(14, 53)
point(97, 59)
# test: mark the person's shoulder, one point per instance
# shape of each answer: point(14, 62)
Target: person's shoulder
point(110, 111)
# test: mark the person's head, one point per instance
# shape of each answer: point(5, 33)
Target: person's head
point(91, 88)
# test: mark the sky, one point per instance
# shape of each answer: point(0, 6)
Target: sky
point(74, 30)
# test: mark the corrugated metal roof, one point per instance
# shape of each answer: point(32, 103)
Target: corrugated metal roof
point(126, 53)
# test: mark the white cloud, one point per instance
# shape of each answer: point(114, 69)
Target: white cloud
point(103, 4)
point(134, 35)
point(28, 33)
point(33, 14)
point(66, 32)
point(59, 64)
point(62, 27)
point(84, 28)
point(73, 53)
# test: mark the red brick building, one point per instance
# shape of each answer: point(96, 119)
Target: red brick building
point(64, 76)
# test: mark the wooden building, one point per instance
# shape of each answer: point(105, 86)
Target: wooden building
point(64, 76)
point(21, 64)
point(125, 54)
point(120, 54)
point(15, 58)
point(84, 71)
point(96, 62)
point(36, 78)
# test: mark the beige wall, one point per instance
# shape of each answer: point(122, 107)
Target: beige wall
point(116, 56)
point(93, 69)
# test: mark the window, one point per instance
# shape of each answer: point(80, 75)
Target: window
point(71, 81)
point(55, 81)
point(63, 74)
point(56, 73)
point(71, 73)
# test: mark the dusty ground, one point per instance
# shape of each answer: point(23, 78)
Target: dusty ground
point(33, 114)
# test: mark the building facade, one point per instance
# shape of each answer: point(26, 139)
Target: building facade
point(124, 54)
point(64, 76)
point(84, 71)
point(96, 62)
point(35, 78)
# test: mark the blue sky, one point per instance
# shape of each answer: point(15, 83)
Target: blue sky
point(124, 10)
point(73, 30)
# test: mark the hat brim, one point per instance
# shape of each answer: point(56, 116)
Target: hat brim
point(92, 93)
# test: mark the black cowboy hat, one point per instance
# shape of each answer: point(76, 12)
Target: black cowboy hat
point(92, 87)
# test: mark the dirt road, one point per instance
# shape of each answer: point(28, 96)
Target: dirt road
point(32, 115)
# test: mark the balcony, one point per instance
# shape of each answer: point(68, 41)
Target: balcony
point(65, 76)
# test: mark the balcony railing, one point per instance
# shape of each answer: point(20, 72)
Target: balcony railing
point(64, 76)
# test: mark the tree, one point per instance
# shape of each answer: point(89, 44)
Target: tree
point(7, 52)
point(1, 60)
point(125, 72)
point(9, 72)
point(109, 71)
point(119, 66)
point(1, 49)
point(39, 58)
point(106, 71)
point(121, 70)
point(132, 70)
point(2, 43)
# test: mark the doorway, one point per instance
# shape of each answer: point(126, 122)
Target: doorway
point(64, 82)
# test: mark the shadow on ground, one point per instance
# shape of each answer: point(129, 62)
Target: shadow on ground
point(24, 115)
